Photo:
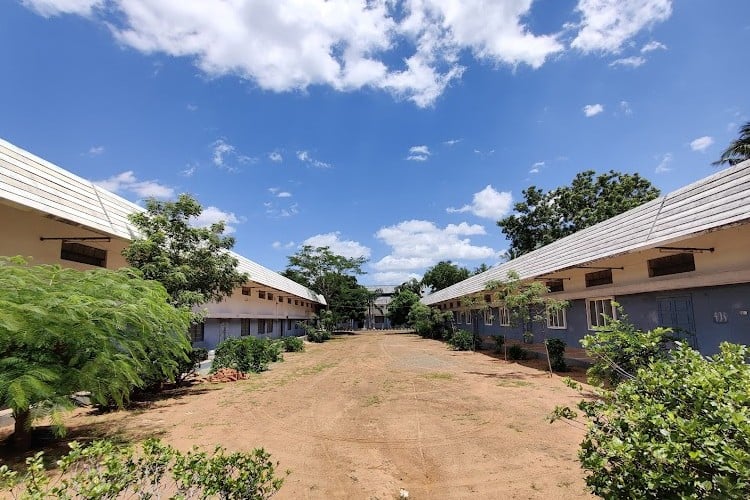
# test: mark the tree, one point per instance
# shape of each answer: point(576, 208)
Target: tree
point(738, 150)
point(413, 285)
point(193, 263)
point(64, 331)
point(546, 217)
point(444, 274)
point(398, 309)
point(480, 269)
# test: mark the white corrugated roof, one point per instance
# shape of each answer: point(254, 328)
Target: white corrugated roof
point(712, 202)
point(30, 181)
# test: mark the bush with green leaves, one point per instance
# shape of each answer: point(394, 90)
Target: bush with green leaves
point(189, 366)
point(556, 351)
point(680, 428)
point(293, 344)
point(429, 322)
point(63, 331)
point(619, 349)
point(517, 352)
point(246, 354)
point(462, 341)
point(498, 343)
point(104, 470)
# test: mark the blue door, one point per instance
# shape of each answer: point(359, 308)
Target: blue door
point(677, 313)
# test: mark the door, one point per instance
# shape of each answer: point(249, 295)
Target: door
point(677, 313)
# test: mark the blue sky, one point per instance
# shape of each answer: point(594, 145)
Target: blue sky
point(397, 130)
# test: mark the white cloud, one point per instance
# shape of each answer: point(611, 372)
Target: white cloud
point(452, 142)
point(190, 169)
point(284, 194)
point(653, 45)
point(625, 107)
point(536, 167)
point(274, 210)
point(663, 165)
point(49, 8)
point(279, 245)
point(488, 203)
point(275, 157)
point(220, 149)
point(127, 181)
point(345, 248)
point(304, 156)
point(211, 215)
point(191, 107)
point(592, 109)
point(417, 244)
point(95, 150)
point(419, 153)
point(701, 143)
point(393, 277)
point(631, 62)
point(606, 25)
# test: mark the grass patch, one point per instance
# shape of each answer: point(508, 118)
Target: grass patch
point(513, 383)
point(372, 400)
point(438, 376)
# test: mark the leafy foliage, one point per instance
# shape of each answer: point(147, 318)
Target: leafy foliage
point(462, 341)
point(679, 429)
point(104, 470)
point(556, 350)
point(517, 352)
point(620, 349)
point(193, 263)
point(401, 303)
point(498, 343)
point(63, 331)
point(246, 354)
point(293, 344)
point(444, 274)
point(189, 366)
point(546, 217)
point(738, 150)
point(413, 285)
point(429, 322)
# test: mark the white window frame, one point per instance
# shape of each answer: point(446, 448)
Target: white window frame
point(560, 317)
point(503, 315)
point(488, 317)
point(245, 327)
point(467, 319)
point(599, 311)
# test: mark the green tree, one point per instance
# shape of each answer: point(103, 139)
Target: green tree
point(480, 269)
point(444, 274)
point(546, 217)
point(401, 304)
point(413, 285)
point(738, 150)
point(64, 331)
point(193, 263)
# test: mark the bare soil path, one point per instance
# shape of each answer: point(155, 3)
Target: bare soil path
point(362, 416)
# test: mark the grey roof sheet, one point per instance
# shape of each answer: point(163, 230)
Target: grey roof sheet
point(717, 200)
point(30, 181)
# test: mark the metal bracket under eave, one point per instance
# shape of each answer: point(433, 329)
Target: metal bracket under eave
point(686, 249)
point(77, 238)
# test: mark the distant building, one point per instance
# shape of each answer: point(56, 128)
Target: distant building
point(682, 261)
point(377, 311)
point(52, 216)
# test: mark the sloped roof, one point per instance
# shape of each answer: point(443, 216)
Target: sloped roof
point(717, 200)
point(30, 181)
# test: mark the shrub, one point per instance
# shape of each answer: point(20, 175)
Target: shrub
point(246, 354)
point(499, 341)
point(430, 323)
point(293, 344)
point(620, 349)
point(462, 341)
point(679, 429)
point(517, 352)
point(478, 342)
point(104, 470)
point(189, 366)
point(556, 351)
point(315, 334)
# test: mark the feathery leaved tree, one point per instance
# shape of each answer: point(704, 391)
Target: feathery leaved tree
point(64, 331)
point(738, 150)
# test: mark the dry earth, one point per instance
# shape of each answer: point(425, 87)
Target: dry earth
point(364, 415)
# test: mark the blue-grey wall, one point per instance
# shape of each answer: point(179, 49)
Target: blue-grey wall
point(213, 331)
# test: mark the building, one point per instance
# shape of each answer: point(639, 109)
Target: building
point(682, 261)
point(52, 216)
point(377, 310)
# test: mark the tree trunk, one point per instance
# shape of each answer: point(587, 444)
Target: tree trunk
point(21, 438)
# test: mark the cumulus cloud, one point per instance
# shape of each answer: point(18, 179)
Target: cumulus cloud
point(284, 194)
point(305, 157)
point(630, 62)
point(49, 8)
point(606, 25)
point(127, 181)
point(419, 153)
point(487, 203)
point(212, 215)
point(664, 164)
point(592, 110)
point(275, 157)
point(345, 248)
point(653, 45)
point(417, 244)
point(393, 277)
point(536, 167)
point(701, 143)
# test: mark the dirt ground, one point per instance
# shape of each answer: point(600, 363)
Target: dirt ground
point(364, 415)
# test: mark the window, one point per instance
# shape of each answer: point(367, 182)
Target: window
point(289, 324)
point(281, 299)
point(269, 326)
point(244, 327)
point(488, 298)
point(555, 286)
point(556, 319)
point(270, 296)
point(503, 316)
point(603, 277)
point(296, 302)
point(84, 254)
point(288, 301)
point(468, 317)
point(261, 326)
point(488, 317)
point(599, 310)
point(671, 264)
point(246, 290)
point(456, 317)
point(197, 332)
point(261, 294)
point(450, 304)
